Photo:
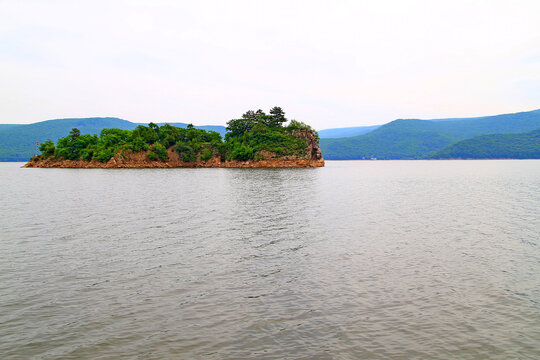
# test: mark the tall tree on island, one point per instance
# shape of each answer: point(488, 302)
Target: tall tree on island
point(237, 127)
point(277, 117)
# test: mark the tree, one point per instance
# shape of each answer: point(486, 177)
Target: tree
point(277, 117)
point(242, 152)
point(110, 137)
point(250, 115)
point(253, 136)
point(237, 127)
point(158, 152)
point(148, 134)
point(47, 148)
point(169, 135)
point(75, 133)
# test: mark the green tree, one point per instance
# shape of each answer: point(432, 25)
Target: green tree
point(148, 134)
point(252, 136)
point(138, 144)
point(75, 133)
point(104, 155)
point(158, 152)
point(277, 117)
point(111, 137)
point(47, 148)
point(206, 155)
point(242, 152)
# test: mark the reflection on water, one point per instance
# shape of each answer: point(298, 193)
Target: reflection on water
point(383, 259)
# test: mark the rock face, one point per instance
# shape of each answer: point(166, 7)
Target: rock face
point(313, 150)
point(128, 159)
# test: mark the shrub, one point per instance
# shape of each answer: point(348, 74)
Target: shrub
point(297, 125)
point(87, 154)
point(242, 152)
point(160, 151)
point(152, 156)
point(185, 151)
point(188, 156)
point(206, 155)
point(61, 153)
point(139, 144)
point(104, 155)
point(47, 148)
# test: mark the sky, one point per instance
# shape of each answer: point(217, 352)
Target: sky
point(327, 63)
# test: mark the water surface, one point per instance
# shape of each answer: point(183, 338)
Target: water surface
point(360, 259)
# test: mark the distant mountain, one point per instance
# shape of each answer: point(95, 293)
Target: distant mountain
point(345, 132)
point(494, 146)
point(387, 142)
point(399, 139)
point(8, 126)
point(18, 142)
point(417, 139)
point(468, 127)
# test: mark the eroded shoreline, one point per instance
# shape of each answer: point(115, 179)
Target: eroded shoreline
point(140, 161)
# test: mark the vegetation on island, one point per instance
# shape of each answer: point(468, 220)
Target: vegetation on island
point(18, 142)
point(256, 135)
point(399, 139)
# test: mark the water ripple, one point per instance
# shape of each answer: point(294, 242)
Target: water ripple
point(356, 260)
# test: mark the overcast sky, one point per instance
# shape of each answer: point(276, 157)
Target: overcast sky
point(327, 63)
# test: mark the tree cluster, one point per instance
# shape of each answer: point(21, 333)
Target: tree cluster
point(253, 136)
point(257, 133)
point(154, 139)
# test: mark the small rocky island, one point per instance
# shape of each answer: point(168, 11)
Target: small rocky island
point(256, 140)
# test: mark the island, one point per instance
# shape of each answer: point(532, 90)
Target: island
point(256, 140)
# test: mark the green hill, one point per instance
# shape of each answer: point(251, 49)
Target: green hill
point(345, 132)
point(387, 142)
point(417, 139)
point(8, 126)
point(18, 142)
point(495, 146)
point(498, 124)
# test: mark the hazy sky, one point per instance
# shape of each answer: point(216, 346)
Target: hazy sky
point(327, 63)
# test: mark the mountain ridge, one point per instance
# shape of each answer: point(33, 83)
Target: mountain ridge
point(398, 139)
point(494, 146)
point(418, 139)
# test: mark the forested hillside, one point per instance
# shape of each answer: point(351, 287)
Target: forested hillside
point(418, 139)
point(346, 131)
point(495, 146)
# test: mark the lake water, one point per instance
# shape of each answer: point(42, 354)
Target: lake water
point(357, 260)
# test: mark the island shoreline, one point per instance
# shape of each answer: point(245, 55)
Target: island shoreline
point(140, 160)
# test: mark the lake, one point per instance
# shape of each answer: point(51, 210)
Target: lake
point(356, 260)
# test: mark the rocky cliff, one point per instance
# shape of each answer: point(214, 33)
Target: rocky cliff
point(127, 159)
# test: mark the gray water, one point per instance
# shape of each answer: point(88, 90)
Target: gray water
point(360, 259)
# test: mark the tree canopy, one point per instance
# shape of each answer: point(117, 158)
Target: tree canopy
point(250, 119)
point(255, 135)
